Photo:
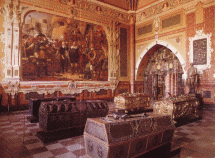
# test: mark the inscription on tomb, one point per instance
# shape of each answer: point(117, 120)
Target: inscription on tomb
point(200, 51)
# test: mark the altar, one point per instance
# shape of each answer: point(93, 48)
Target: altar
point(132, 136)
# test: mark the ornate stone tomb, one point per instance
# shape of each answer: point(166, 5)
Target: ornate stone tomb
point(60, 115)
point(130, 102)
point(177, 107)
point(34, 104)
point(109, 138)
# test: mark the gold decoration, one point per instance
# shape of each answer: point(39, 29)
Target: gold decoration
point(129, 102)
point(181, 106)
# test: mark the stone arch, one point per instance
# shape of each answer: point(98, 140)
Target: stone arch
point(165, 44)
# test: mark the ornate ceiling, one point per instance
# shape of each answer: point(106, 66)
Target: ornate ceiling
point(129, 4)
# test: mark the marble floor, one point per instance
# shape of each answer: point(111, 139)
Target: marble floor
point(18, 139)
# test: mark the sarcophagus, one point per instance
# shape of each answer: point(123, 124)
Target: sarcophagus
point(58, 115)
point(106, 137)
point(130, 102)
point(177, 107)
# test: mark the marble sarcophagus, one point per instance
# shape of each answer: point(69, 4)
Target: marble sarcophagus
point(58, 115)
point(177, 107)
point(106, 137)
point(129, 102)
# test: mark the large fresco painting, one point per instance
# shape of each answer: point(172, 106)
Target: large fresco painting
point(57, 48)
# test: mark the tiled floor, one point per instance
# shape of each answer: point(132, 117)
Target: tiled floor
point(18, 139)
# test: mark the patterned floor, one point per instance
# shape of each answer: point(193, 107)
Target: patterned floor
point(18, 139)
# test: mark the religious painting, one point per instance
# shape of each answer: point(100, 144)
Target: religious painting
point(56, 48)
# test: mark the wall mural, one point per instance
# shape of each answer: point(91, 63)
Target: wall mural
point(56, 48)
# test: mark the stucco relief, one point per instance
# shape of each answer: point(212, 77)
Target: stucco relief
point(83, 5)
point(8, 12)
point(159, 8)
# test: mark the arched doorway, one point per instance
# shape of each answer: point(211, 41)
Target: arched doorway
point(162, 73)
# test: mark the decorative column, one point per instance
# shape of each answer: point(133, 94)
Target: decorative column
point(176, 84)
point(172, 84)
point(7, 37)
point(132, 52)
point(16, 33)
point(167, 85)
point(113, 37)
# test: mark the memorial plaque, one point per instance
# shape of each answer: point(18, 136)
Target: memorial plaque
point(206, 94)
point(200, 51)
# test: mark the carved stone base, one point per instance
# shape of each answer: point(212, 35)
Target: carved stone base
point(32, 119)
point(47, 137)
point(185, 120)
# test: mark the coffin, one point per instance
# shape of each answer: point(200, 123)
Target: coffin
point(130, 102)
point(59, 115)
point(34, 104)
point(178, 107)
point(109, 138)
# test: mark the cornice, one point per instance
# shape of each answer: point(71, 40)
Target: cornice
point(208, 3)
point(151, 5)
point(66, 87)
point(107, 11)
point(110, 6)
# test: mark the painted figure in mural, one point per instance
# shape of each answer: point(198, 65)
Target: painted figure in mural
point(63, 58)
point(27, 46)
point(74, 57)
point(92, 54)
point(99, 66)
point(41, 55)
point(192, 78)
point(81, 59)
point(88, 70)
point(53, 49)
